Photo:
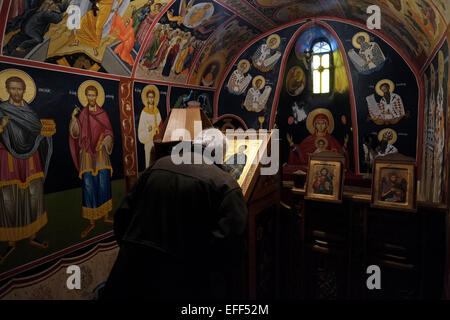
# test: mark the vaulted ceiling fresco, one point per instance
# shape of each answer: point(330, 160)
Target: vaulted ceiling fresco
point(192, 41)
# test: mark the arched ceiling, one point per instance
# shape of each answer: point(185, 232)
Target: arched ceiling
point(416, 25)
point(215, 31)
point(413, 26)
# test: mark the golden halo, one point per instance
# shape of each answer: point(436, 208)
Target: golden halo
point(30, 90)
point(145, 92)
point(313, 114)
point(246, 63)
point(394, 135)
point(263, 83)
point(384, 81)
point(356, 36)
point(82, 96)
point(277, 43)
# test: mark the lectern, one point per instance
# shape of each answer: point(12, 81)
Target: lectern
point(261, 192)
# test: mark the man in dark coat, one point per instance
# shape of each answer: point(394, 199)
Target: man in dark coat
point(181, 233)
point(33, 25)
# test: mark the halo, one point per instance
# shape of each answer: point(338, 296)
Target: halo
point(247, 65)
point(30, 90)
point(394, 135)
point(145, 92)
point(274, 36)
point(152, 7)
point(356, 36)
point(259, 78)
point(82, 96)
point(384, 81)
point(313, 114)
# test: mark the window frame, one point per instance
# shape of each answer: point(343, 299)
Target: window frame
point(330, 66)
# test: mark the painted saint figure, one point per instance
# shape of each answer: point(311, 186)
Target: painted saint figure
point(370, 55)
point(210, 76)
point(33, 26)
point(239, 81)
point(147, 22)
point(256, 101)
point(97, 21)
point(430, 142)
point(295, 81)
point(323, 183)
point(439, 132)
point(263, 59)
point(126, 36)
point(393, 188)
point(171, 57)
point(149, 121)
point(91, 142)
point(424, 166)
point(25, 151)
point(390, 109)
point(387, 138)
point(320, 124)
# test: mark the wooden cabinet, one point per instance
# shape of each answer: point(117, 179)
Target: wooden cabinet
point(337, 242)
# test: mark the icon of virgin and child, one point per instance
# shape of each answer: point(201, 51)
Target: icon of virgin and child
point(320, 124)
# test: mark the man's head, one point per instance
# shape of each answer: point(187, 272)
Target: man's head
point(324, 171)
point(360, 40)
point(272, 42)
point(393, 177)
point(16, 88)
point(387, 136)
point(258, 83)
point(158, 7)
point(214, 144)
point(385, 88)
point(151, 97)
point(91, 93)
point(321, 143)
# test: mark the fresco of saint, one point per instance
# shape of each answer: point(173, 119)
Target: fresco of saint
point(149, 121)
point(263, 59)
point(126, 35)
point(387, 138)
point(439, 132)
point(239, 80)
point(91, 142)
point(390, 109)
point(370, 56)
point(295, 81)
point(33, 26)
point(96, 22)
point(255, 101)
point(25, 150)
point(320, 124)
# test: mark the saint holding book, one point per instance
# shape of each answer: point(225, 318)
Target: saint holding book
point(91, 144)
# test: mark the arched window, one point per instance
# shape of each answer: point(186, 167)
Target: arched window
point(321, 67)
